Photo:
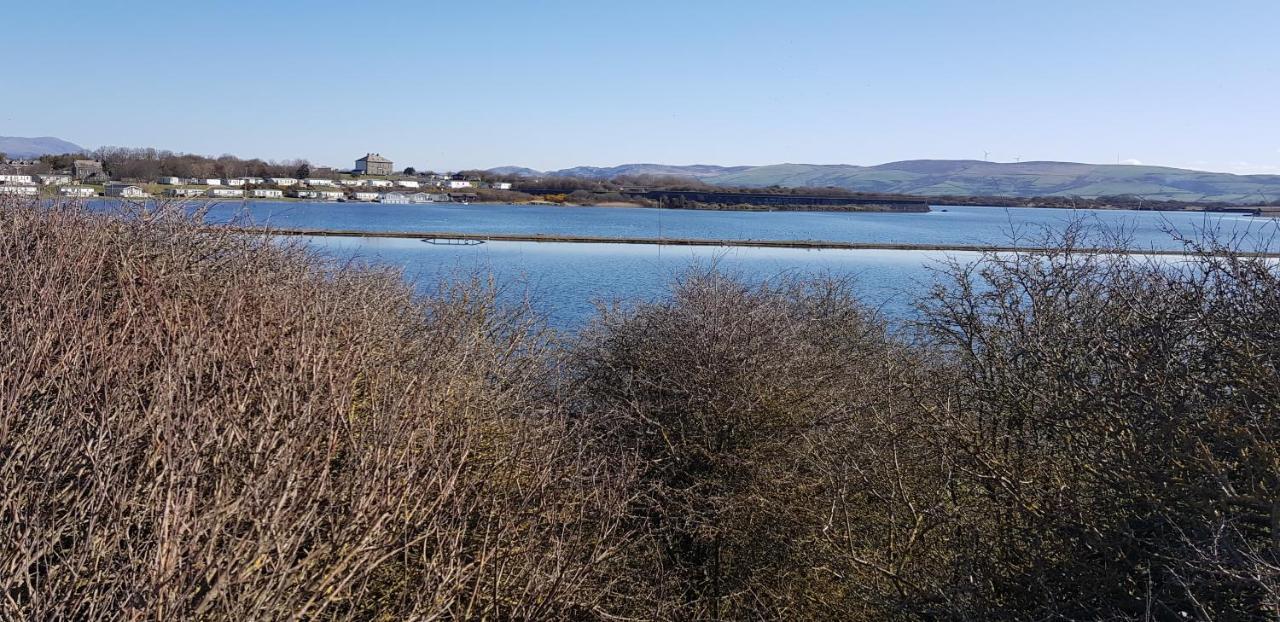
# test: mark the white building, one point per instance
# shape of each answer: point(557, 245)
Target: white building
point(169, 181)
point(209, 182)
point(19, 190)
point(308, 194)
point(500, 185)
point(16, 179)
point(225, 193)
point(378, 183)
point(125, 191)
point(76, 191)
point(54, 179)
point(267, 193)
point(282, 181)
point(185, 192)
point(408, 183)
point(421, 197)
point(235, 181)
point(332, 195)
point(250, 180)
point(455, 184)
point(365, 196)
point(394, 197)
point(313, 182)
point(351, 182)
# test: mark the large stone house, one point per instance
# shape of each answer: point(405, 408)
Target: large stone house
point(373, 164)
point(88, 170)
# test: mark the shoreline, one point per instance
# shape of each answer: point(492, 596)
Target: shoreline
point(799, 244)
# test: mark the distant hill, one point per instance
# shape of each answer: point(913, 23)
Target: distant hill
point(19, 147)
point(977, 178)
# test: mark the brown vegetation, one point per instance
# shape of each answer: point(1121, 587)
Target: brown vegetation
point(199, 424)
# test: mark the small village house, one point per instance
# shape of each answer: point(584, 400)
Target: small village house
point(373, 164)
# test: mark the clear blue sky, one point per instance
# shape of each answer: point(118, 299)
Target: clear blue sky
point(550, 84)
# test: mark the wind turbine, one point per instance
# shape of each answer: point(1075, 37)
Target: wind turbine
point(985, 156)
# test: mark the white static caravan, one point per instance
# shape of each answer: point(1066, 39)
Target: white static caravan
point(332, 195)
point(19, 190)
point(377, 183)
point(282, 181)
point(125, 191)
point(268, 193)
point(351, 182)
point(408, 183)
point(500, 185)
point(16, 179)
point(82, 192)
point(226, 193)
point(185, 192)
point(169, 181)
point(394, 197)
point(54, 179)
point(235, 181)
point(308, 194)
point(365, 196)
point(313, 182)
point(209, 182)
point(455, 184)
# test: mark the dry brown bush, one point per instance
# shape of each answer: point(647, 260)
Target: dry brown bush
point(196, 424)
point(1114, 427)
point(758, 413)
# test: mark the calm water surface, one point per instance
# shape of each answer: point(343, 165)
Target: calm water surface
point(566, 281)
point(956, 225)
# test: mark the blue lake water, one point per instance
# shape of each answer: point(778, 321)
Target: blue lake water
point(566, 281)
point(955, 225)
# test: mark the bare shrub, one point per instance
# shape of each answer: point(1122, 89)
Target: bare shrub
point(197, 424)
point(742, 403)
point(1111, 412)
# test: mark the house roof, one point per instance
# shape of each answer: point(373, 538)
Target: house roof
point(375, 158)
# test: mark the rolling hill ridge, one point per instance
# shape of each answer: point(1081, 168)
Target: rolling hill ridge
point(970, 178)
